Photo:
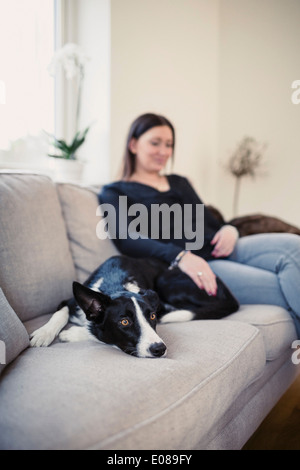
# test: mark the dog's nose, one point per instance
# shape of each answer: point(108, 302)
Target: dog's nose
point(158, 349)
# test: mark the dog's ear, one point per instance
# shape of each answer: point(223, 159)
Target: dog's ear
point(152, 298)
point(92, 303)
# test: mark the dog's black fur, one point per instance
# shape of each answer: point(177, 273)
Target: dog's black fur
point(122, 301)
point(174, 288)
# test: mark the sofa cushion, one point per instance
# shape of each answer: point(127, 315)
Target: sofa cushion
point(13, 335)
point(79, 207)
point(92, 396)
point(36, 264)
point(275, 323)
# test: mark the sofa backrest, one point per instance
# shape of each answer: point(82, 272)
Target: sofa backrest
point(79, 207)
point(36, 266)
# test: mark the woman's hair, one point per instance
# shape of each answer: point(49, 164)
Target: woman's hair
point(141, 125)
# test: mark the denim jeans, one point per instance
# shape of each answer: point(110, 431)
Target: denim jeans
point(264, 269)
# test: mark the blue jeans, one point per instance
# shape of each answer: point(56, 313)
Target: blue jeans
point(264, 269)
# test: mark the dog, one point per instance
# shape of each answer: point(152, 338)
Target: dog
point(123, 300)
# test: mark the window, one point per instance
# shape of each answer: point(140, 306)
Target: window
point(26, 88)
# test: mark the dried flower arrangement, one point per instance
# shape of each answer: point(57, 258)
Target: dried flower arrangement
point(245, 161)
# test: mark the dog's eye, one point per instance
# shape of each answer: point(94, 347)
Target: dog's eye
point(125, 322)
point(152, 316)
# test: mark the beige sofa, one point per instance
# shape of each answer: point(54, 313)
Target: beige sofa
point(218, 382)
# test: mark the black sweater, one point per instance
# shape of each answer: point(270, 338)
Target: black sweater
point(180, 192)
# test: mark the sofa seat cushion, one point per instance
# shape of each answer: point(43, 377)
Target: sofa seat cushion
point(37, 269)
point(79, 206)
point(275, 323)
point(92, 396)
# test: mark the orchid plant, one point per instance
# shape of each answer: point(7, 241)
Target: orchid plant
point(72, 59)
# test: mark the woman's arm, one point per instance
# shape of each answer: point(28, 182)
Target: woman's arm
point(199, 271)
point(224, 241)
point(223, 236)
point(136, 247)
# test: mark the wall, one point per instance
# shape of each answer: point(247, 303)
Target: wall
point(220, 70)
point(164, 59)
point(93, 34)
point(259, 60)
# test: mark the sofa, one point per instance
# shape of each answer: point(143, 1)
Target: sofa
point(218, 382)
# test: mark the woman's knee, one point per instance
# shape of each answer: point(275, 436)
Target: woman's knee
point(289, 243)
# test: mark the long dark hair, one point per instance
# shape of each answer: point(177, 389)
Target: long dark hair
point(141, 125)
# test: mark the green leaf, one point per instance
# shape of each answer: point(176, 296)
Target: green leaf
point(68, 151)
point(78, 140)
point(61, 145)
point(77, 144)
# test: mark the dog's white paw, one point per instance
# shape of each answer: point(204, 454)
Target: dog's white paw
point(64, 336)
point(75, 334)
point(177, 316)
point(45, 335)
point(42, 337)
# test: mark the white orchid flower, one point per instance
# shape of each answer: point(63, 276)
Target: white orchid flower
point(72, 58)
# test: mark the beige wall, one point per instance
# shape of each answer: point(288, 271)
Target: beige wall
point(219, 69)
point(164, 59)
point(259, 60)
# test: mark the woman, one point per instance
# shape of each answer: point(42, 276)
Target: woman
point(260, 269)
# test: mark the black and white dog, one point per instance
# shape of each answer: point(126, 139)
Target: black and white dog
point(122, 301)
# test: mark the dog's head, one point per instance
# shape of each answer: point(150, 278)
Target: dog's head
point(126, 320)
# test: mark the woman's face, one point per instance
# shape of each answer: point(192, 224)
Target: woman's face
point(152, 149)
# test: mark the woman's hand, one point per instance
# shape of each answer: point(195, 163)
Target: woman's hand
point(224, 241)
point(199, 271)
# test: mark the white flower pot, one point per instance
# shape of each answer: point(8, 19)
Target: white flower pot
point(66, 171)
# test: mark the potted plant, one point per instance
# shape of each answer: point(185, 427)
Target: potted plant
point(64, 157)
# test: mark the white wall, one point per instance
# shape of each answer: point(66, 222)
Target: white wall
point(164, 59)
point(93, 34)
point(259, 60)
